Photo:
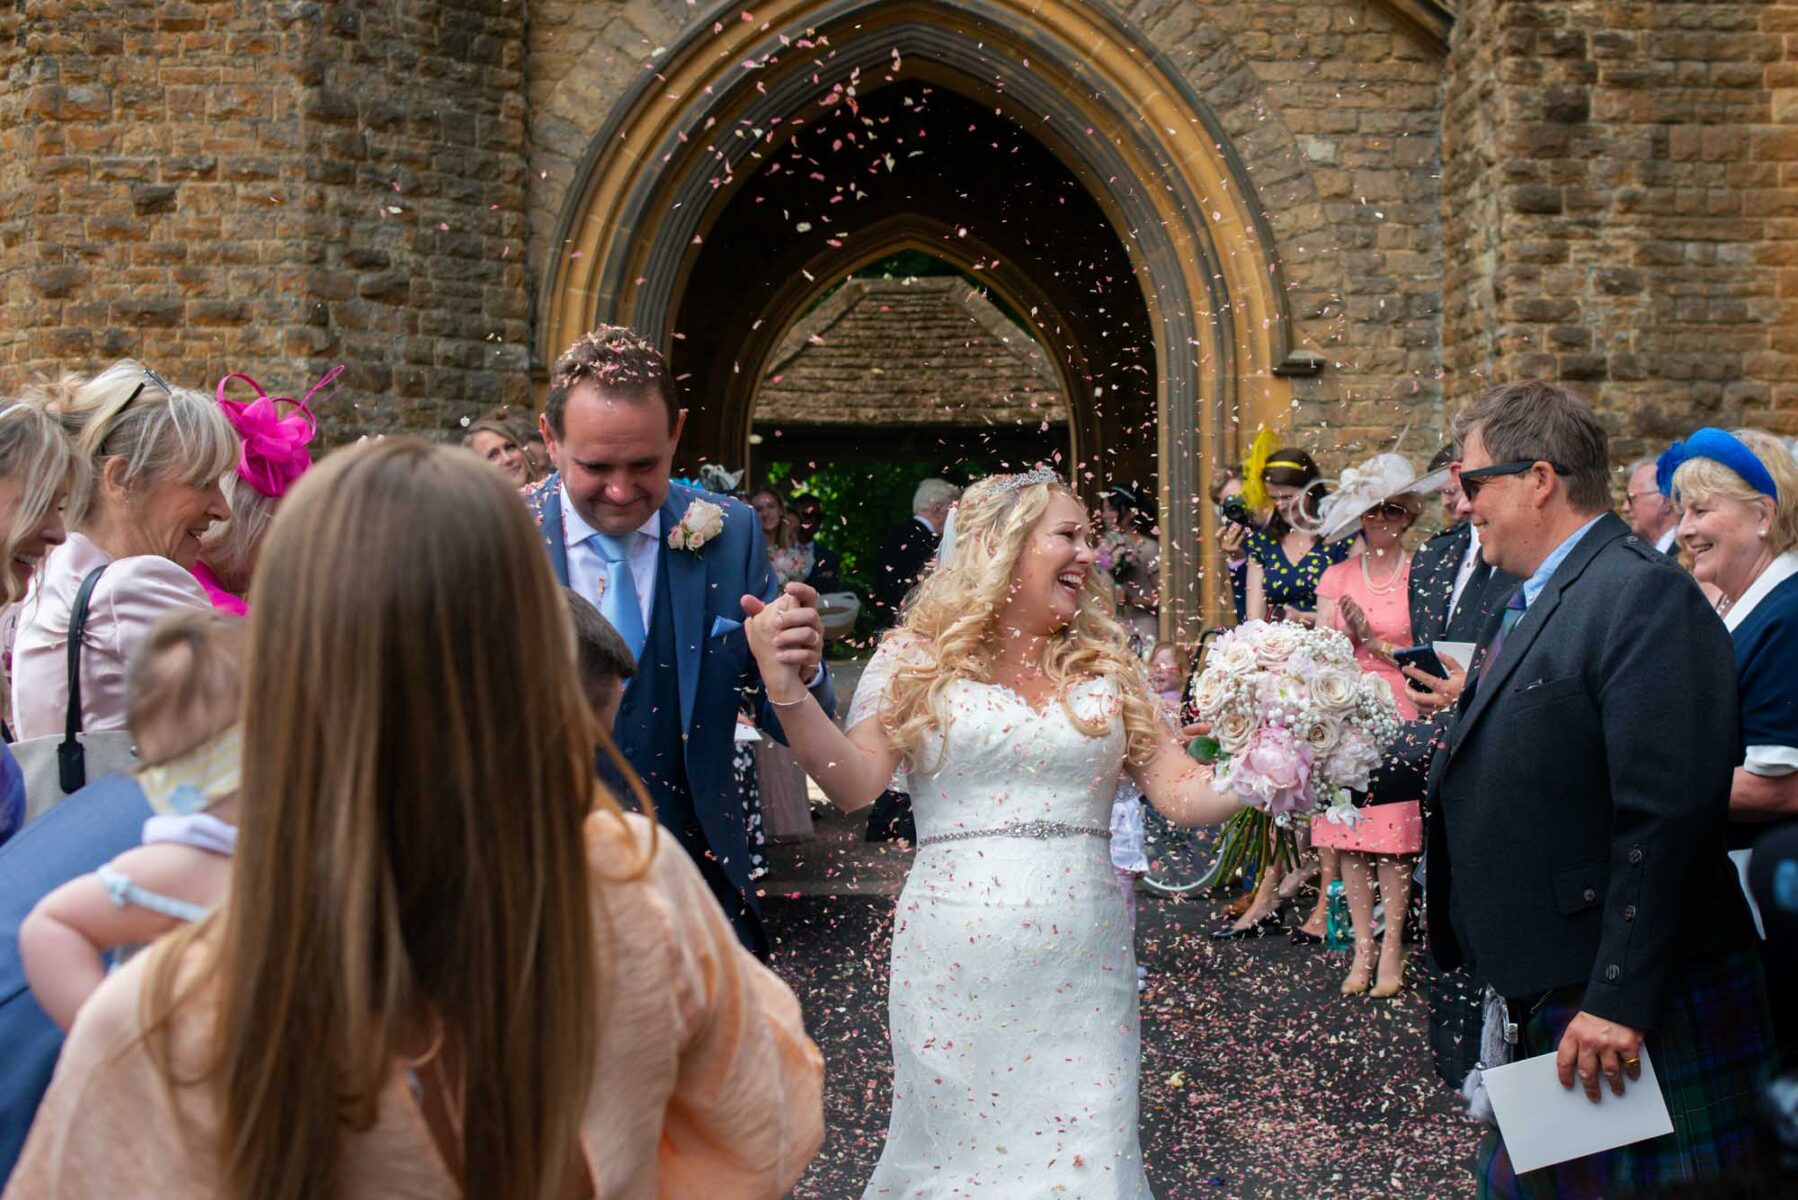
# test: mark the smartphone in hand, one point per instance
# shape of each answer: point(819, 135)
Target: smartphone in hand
point(1424, 658)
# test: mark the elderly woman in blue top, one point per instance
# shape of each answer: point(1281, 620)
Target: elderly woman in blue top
point(1740, 495)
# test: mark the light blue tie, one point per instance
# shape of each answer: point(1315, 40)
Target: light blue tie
point(620, 604)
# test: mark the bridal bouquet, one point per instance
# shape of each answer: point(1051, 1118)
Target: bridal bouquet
point(1296, 724)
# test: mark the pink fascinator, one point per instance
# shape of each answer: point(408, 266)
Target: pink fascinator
point(274, 446)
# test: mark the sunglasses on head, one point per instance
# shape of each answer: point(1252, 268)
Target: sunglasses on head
point(1472, 481)
point(150, 379)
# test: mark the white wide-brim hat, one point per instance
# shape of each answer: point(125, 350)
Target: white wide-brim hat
point(1381, 478)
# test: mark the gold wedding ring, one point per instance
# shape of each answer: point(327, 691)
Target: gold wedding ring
point(1632, 1062)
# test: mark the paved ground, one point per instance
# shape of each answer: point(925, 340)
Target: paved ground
point(1259, 1079)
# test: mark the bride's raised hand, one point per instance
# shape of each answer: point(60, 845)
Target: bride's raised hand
point(767, 623)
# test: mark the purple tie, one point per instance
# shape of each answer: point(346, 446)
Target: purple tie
point(1515, 607)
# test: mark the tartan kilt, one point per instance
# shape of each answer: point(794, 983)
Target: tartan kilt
point(1712, 1052)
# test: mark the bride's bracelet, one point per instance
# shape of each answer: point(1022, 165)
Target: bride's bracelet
point(804, 696)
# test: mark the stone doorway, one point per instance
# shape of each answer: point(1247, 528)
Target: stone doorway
point(1036, 146)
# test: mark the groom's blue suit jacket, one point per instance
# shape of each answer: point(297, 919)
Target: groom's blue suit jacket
point(714, 666)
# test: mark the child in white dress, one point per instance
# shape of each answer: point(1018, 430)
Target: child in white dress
point(185, 690)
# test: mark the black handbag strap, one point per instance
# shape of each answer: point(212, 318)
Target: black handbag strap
point(69, 756)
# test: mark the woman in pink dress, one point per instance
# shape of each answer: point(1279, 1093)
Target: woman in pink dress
point(1367, 598)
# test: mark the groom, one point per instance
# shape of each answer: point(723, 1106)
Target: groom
point(668, 565)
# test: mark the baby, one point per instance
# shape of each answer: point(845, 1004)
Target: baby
point(185, 690)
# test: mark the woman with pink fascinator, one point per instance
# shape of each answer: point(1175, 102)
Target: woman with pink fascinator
point(275, 455)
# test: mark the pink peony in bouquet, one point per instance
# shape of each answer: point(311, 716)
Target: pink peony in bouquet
point(1296, 724)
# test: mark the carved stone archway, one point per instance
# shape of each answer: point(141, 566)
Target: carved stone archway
point(1147, 149)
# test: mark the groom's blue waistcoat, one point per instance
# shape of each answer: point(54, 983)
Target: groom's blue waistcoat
point(652, 745)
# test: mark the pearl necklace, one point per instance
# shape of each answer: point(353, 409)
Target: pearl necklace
point(1381, 589)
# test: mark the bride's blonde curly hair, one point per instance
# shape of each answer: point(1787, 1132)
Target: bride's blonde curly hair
point(952, 623)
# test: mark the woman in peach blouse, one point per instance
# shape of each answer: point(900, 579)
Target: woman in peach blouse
point(450, 965)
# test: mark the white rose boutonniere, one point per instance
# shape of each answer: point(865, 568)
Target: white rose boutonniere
point(702, 522)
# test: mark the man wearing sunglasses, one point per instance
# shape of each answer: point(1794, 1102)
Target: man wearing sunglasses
point(1576, 853)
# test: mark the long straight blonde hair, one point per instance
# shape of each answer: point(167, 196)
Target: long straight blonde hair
point(418, 769)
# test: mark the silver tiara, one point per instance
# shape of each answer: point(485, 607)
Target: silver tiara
point(1012, 483)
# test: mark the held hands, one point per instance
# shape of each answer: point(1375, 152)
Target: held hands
point(1437, 695)
point(1597, 1047)
point(787, 639)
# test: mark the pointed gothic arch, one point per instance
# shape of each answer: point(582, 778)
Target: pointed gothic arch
point(1145, 146)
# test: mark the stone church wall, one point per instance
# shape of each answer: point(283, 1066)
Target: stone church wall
point(276, 186)
point(1621, 199)
point(270, 188)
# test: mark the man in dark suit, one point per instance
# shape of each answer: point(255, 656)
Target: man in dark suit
point(669, 567)
point(1576, 852)
point(1454, 594)
point(827, 569)
point(907, 550)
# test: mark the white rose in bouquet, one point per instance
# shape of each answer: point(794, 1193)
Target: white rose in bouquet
point(1321, 733)
point(1335, 689)
point(1232, 729)
point(1377, 690)
point(1233, 655)
point(1278, 644)
point(1212, 693)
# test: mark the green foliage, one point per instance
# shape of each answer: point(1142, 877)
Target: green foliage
point(862, 502)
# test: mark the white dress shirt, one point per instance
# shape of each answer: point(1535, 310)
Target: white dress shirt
point(1665, 542)
point(1464, 572)
point(587, 566)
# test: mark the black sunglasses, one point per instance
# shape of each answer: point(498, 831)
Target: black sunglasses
point(1472, 481)
point(1392, 512)
point(150, 377)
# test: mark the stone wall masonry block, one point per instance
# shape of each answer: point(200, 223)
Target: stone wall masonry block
point(1671, 198)
point(237, 144)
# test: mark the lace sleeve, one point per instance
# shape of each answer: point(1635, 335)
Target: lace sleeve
point(877, 678)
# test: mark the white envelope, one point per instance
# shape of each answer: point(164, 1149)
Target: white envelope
point(1544, 1123)
point(1461, 652)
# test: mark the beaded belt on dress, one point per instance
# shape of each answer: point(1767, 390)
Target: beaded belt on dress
point(1024, 829)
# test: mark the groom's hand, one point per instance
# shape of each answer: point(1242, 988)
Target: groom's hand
point(795, 631)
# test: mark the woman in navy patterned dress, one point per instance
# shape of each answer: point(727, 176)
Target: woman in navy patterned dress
point(1286, 561)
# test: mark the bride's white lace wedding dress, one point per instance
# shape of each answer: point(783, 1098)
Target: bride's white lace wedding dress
point(1013, 1007)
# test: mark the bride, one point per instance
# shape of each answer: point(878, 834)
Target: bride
point(1011, 702)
